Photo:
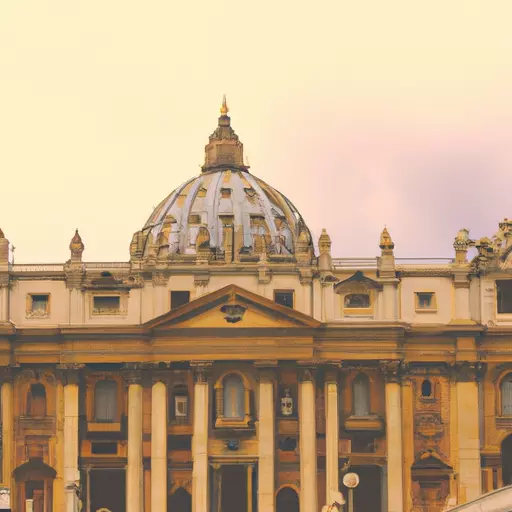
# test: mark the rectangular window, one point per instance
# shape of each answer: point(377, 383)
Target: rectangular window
point(425, 301)
point(179, 298)
point(504, 295)
point(180, 406)
point(106, 305)
point(38, 305)
point(285, 298)
point(104, 448)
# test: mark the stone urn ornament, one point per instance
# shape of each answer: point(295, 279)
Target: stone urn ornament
point(287, 403)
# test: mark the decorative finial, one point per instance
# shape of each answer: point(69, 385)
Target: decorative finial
point(224, 108)
point(386, 244)
point(324, 242)
point(76, 247)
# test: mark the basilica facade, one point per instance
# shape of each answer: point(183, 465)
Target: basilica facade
point(233, 364)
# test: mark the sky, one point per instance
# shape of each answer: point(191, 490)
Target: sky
point(363, 113)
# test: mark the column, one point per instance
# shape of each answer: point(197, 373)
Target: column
point(266, 441)
point(134, 473)
point(307, 434)
point(394, 438)
point(159, 446)
point(8, 431)
point(470, 482)
point(331, 435)
point(71, 473)
point(408, 439)
point(200, 440)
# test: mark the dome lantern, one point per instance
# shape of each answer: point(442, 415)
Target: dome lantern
point(224, 149)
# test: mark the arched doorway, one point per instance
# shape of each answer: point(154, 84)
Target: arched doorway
point(287, 500)
point(180, 501)
point(34, 481)
point(506, 460)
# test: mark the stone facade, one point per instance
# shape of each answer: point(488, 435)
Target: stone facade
point(228, 366)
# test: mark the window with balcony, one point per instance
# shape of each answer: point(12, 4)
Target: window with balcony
point(361, 395)
point(105, 401)
point(36, 400)
point(38, 305)
point(106, 305)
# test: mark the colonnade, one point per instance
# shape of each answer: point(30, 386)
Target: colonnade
point(398, 435)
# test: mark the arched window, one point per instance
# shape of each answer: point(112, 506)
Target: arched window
point(234, 397)
point(36, 400)
point(105, 401)
point(506, 395)
point(361, 395)
point(357, 300)
point(426, 389)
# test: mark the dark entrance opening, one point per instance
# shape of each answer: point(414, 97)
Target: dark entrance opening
point(506, 460)
point(180, 501)
point(234, 489)
point(368, 494)
point(287, 500)
point(108, 489)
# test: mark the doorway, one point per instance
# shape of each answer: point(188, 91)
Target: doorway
point(368, 494)
point(506, 460)
point(107, 489)
point(287, 500)
point(179, 501)
point(234, 489)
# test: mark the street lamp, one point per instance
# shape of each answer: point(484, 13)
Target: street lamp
point(351, 481)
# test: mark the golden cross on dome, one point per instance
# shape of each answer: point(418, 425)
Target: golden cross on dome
point(224, 108)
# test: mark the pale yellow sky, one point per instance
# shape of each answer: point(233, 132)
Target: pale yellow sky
point(361, 112)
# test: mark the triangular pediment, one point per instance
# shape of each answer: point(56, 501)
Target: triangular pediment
point(211, 311)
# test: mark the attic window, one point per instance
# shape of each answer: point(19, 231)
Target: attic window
point(357, 301)
point(425, 301)
point(179, 298)
point(504, 296)
point(194, 219)
point(38, 305)
point(106, 305)
point(285, 298)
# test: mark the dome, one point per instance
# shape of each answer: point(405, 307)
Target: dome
point(225, 207)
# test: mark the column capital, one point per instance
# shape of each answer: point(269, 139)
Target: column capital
point(266, 370)
point(8, 373)
point(465, 371)
point(201, 370)
point(307, 373)
point(69, 373)
point(332, 372)
point(392, 370)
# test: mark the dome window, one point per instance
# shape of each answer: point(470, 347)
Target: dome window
point(225, 193)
